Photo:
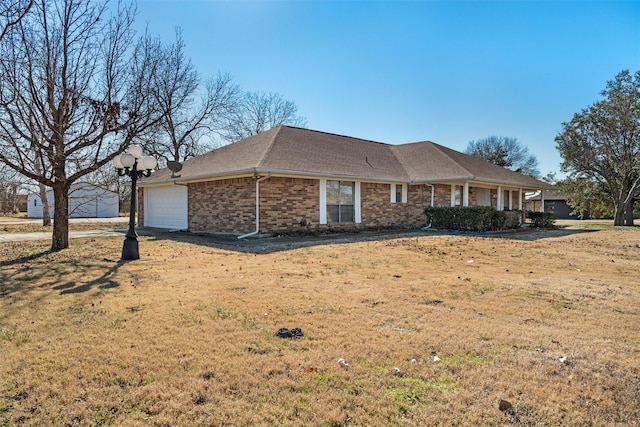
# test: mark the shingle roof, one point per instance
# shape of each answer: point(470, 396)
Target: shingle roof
point(303, 152)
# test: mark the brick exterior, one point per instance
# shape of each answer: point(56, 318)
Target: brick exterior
point(443, 195)
point(224, 206)
point(377, 209)
point(291, 204)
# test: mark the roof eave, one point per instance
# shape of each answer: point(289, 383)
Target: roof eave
point(272, 171)
point(354, 177)
point(484, 180)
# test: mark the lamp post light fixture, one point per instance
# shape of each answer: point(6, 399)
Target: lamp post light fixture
point(135, 165)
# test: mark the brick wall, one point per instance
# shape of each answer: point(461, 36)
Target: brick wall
point(225, 206)
point(377, 209)
point(228, 206)
point(443, 195)
point(418, 198)
point(289, 204)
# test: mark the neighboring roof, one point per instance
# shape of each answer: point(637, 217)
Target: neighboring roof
point(302, 152)
point(80, 187)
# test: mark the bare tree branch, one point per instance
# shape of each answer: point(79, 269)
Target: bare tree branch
point(12, 12)
point(507, 152)
point(192, 111)
point(74, 93)
point(260, 111)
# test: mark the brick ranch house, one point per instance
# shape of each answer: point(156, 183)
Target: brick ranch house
point(291, 179)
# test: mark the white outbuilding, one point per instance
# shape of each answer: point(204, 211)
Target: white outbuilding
point(85, 201)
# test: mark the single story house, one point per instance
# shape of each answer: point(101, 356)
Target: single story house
point(553, 203)
point(291, 179)
point(85, 201)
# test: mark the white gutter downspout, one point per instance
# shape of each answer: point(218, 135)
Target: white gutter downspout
point(253, 233)
point(433, 196)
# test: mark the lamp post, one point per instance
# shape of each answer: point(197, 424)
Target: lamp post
point(135, 165)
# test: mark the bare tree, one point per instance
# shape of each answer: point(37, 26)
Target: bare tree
point(192, 111)
point(73, 94)
point(10, 183)
point(505, 151)
point(261, 111)
point(11, 12)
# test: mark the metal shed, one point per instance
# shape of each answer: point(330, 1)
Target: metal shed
point(85, 201)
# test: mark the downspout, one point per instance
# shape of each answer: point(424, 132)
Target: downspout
point(253, 233)
point(432, 191)
point(432, 198)
point(432, 194)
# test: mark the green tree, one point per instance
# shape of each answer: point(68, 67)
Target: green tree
point(602, 144)
point(505, 151)
point(586, 197)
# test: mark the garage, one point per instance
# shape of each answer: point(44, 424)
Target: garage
point(166, 207)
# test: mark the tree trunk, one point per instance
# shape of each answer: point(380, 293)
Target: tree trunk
point(60, 239)
point(46, 217)
point(618, 215)
point(13, 199)
point(629, 213)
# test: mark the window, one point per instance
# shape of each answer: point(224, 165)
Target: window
point(458, 196)
point(340, 201)
point(398, 193)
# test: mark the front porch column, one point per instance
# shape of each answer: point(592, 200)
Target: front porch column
point(465, 194)
point(510, 200)
point(520, 208)
point(541, 200)
point(499, 198)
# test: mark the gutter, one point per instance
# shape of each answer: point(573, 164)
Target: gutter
point(278, 172)
point(253, 233)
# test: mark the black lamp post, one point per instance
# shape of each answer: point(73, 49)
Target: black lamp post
point(133, 164)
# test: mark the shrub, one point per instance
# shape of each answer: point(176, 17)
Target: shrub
point(476, 218)
point(542, 219)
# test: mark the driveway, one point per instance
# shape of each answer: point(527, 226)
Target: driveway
point(25, 237)
point(46, 235)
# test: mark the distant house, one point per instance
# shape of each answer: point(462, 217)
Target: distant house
point(553, 203)
point(85, 201)
point(290, 179)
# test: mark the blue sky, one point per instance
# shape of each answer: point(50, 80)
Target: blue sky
point(407, 71)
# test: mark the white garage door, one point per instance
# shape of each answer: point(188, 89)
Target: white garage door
point(166, 207)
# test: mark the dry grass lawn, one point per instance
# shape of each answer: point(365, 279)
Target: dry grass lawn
point(185, 337)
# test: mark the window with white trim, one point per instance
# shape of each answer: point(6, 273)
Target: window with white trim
point(340, 201)
point(398, 193)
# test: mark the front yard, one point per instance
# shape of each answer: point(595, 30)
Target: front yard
point(415, 330)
